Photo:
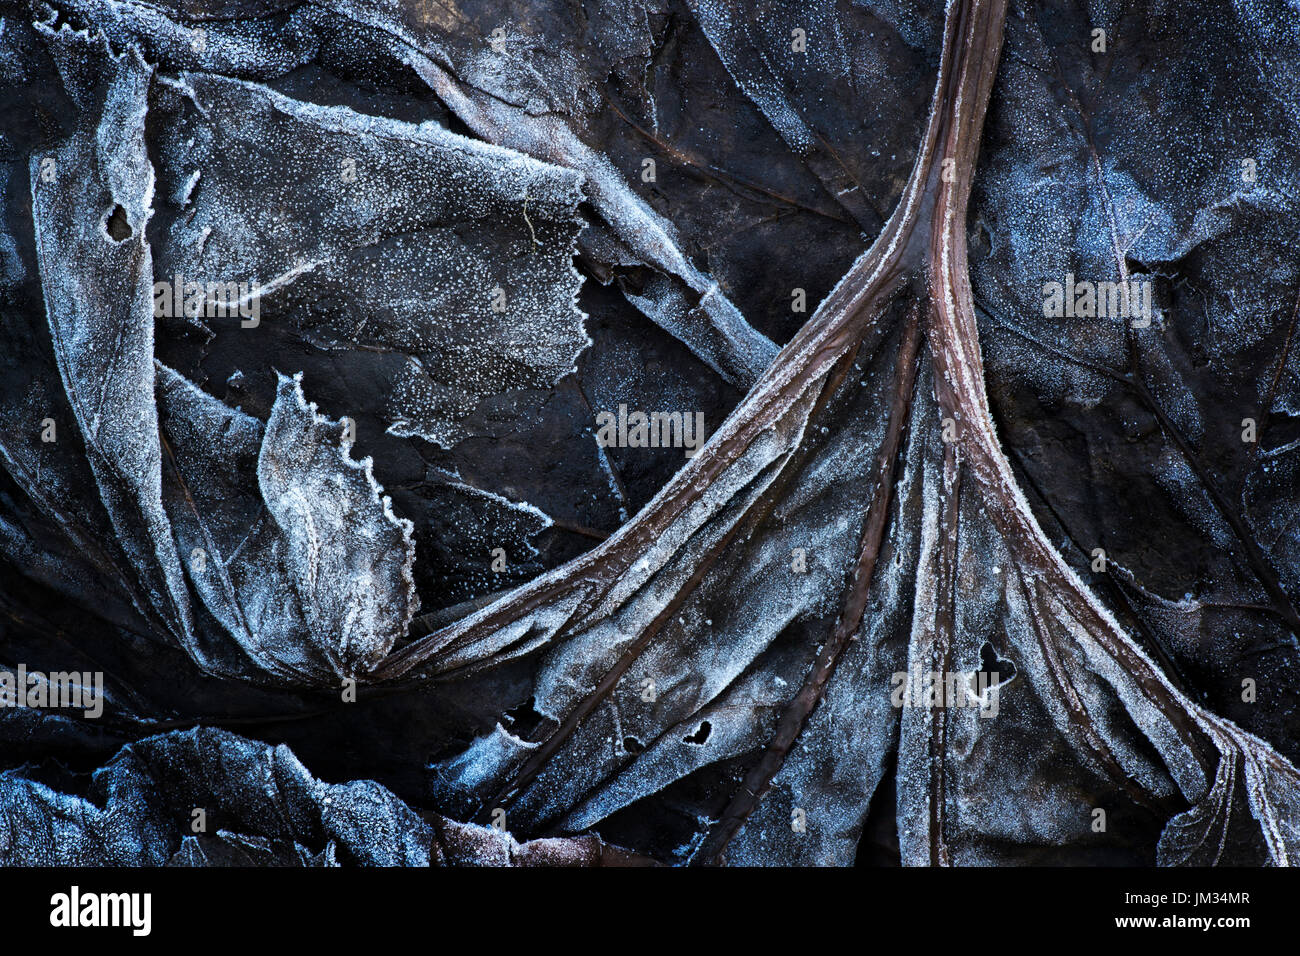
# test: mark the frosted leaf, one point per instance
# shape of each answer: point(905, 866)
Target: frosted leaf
point(713, 661)
point(319, 587)
point(1064, 505)
point(1134, 434)
point(520, 111)
point(313, 578)
point(97, 298)
point(366, 233)
point(859, 153)
point(265, 809)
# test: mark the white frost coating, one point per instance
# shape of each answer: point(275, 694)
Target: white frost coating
point(737, 723)
point(413, 241)
point(757, 78)
point(1070, 608)
point(323, 586)
point(523, 507)
point(188, 189)
point(612, 480)
point(322, 589)
point(99, 304)
point(455, 781)
point(324, 504)
point(714, 330)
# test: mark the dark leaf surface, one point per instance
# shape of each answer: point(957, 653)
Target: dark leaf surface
point(372, 535)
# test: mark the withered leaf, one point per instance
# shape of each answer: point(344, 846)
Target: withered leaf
point(1082, 522)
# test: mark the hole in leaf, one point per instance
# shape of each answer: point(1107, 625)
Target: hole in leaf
point(632, 745)
point(116, 225)
point(524, 721)
point(991, 663)
point(701, 733)
point(878, 844)
point(1282, 429)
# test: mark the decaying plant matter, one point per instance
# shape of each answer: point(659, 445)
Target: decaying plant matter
point(680, 689)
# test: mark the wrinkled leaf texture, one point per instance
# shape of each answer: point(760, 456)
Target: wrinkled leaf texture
point(651, 671)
